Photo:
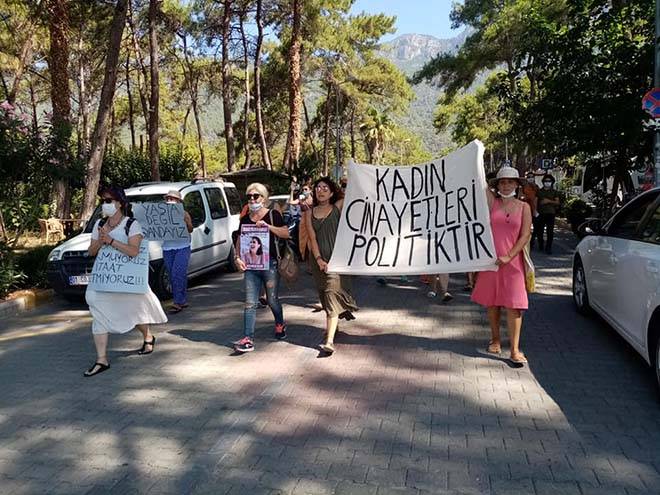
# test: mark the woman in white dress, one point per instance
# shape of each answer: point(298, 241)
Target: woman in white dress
point(117, 312)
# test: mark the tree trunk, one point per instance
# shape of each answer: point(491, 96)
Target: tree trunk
point(295, 89)
point(131, 112)
point(353, 132)
point(142, 81)
point(326, 131)
point(60, 94)
point(107, 94)
point(33, 104)
point(83, 108)
point(192, 82)
point(154, 97)
point(200, 138)
point(246, 109)
point(26, 52)
point(184, 127)
point(308, 127)
point(226, 85)
point(265, 156)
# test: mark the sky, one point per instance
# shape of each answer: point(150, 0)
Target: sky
point(413, 16)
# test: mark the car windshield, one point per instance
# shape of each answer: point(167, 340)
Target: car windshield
point(137, 198)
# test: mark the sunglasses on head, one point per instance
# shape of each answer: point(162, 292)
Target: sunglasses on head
point(107, 200)
point(254, 196)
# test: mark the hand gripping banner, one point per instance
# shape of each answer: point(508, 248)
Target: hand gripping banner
point(420, 219)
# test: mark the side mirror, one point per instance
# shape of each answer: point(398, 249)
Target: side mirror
point(593, 226)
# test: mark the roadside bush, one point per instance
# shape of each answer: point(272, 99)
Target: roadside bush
point(577, 211)
point(32, 264)
point(10, 275)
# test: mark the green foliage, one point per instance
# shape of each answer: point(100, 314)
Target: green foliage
point(576, 211)
point(33, 263)
point(10, 274)
point(126, 167)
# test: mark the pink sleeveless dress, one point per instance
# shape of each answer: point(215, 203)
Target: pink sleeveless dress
point(506, 286)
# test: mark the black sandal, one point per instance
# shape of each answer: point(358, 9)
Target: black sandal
point(101, 368)
point(143, 350)
point(175, 309)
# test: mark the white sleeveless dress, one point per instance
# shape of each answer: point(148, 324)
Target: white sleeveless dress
point(117, 312)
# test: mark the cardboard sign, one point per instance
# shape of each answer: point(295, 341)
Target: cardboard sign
point(255, 246)
point(114, 271)
point(420, 219)
point(161, 221)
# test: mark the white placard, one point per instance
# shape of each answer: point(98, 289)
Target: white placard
point(161, 221)
point(114, 271)
point(420, 219)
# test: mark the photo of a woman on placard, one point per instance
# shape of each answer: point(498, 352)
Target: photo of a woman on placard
point(254, 256)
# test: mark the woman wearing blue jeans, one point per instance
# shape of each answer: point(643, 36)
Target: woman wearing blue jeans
point(260, 215)
point(176, 256)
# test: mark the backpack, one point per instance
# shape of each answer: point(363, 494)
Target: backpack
point(127, 227)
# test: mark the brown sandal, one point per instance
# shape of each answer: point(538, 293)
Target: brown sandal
point(494, 347)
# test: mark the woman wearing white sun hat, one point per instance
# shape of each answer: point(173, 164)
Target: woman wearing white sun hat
point(511, 221)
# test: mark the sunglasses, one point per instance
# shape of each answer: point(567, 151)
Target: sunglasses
point(107, 200)
point(322, 187)
point(253, 197)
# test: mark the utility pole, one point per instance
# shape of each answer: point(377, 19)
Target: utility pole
point(656, 83)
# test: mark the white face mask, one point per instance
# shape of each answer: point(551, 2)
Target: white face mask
point(512, 194)
point(547, 185)
point(254, 206)
point(108, 209)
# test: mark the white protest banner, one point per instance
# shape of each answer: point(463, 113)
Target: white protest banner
point(161, 221)
point(255, 247)
point(421, 219)
point(114, 271)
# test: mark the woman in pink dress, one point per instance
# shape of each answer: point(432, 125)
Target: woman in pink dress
point(511, 221)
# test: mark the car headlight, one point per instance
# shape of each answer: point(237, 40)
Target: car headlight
point(55, 255)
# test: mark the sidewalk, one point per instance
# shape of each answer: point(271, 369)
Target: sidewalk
point(409, 404)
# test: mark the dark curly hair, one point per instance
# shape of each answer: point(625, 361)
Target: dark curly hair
point(332, 186)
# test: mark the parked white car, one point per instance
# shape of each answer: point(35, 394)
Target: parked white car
point(616, 272)
point(214, 207)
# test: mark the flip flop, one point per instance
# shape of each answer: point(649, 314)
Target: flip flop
point(327, 348)
point(175, 309)
point(143, 350)
point(101, 368)
point(494, 348)
point(518, 359)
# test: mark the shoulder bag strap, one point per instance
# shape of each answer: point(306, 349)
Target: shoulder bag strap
point(275, 241)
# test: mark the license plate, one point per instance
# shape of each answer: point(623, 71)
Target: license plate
point(79, 279)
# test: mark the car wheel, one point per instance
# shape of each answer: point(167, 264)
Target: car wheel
point(580, 294)
point(160, 281)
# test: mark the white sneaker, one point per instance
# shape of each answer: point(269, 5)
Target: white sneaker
point(430, 294)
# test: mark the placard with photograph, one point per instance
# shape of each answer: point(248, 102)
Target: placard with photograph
point(255, 244)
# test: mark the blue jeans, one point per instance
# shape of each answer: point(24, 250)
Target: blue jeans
point(254, 280)
point(176, 263)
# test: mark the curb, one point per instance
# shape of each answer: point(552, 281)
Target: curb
point(25, 301)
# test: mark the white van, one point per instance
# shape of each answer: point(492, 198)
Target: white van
point(214, 206)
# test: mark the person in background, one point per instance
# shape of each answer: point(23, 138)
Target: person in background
point(511, 221)
point(302, 200)
point(443, 280)
point(176, 256)
point(548, 205)
point(119, 312)
point(334, 292)
point(260, 215)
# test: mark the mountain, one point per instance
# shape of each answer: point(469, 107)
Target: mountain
point(409, 52)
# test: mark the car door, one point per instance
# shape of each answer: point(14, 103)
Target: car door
point(219, 212)
point(628, 263)
point(200, 236)
point(638, 273)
